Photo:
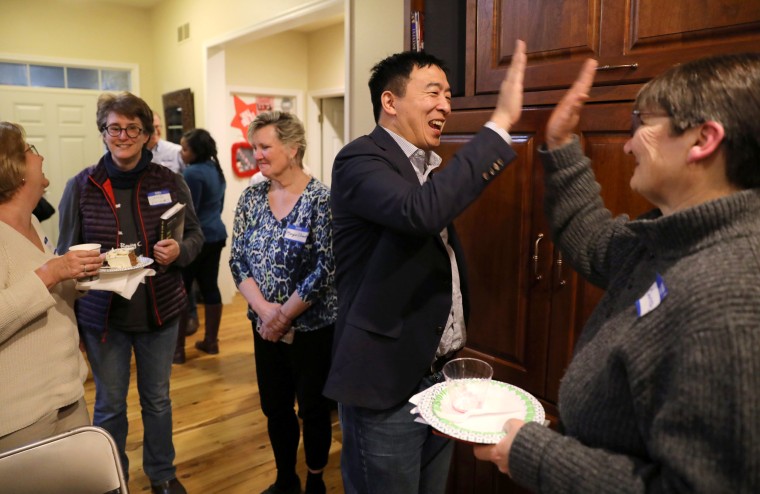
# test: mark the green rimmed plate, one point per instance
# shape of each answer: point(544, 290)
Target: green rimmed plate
point(503, 401)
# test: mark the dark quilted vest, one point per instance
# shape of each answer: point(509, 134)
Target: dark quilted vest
point(100, 225)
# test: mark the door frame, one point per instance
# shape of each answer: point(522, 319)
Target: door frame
point(314, 125)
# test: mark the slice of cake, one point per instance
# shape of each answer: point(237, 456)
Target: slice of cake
point(121, 258)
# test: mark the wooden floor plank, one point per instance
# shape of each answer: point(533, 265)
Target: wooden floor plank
point(220, 434)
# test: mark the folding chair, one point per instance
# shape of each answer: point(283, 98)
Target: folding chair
point(82, 461)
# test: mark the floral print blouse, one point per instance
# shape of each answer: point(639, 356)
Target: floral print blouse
point(292, 254)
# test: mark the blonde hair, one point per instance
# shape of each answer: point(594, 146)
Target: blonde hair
point(289, 130)
point(12, 159)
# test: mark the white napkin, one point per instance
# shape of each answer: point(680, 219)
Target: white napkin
point(122, 283)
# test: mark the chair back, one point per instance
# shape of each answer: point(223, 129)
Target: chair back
point(84, 460)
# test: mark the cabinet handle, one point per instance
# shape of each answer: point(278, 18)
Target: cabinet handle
point(536, 274)
point(562, 282)
point(631, 66)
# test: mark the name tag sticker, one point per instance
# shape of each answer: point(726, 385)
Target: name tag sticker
point(652, 297)
point(297, 233)
point(159, 198)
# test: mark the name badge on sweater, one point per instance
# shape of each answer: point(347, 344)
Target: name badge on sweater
point(159, 197)
point(652, 297)
point(297, 234)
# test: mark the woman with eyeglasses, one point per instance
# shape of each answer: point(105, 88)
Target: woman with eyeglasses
point(663, 392)
point(41, 367)
point(118, 202)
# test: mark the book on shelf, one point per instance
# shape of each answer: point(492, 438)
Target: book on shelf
point(173, 223)
point(416, 31)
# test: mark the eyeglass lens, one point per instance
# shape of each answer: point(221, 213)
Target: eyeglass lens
point(635, 121)
point(33, 149)
point(131, 130)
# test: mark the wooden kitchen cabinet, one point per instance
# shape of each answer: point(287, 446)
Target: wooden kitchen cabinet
point(634, 40)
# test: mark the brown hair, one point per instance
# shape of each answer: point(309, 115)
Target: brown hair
point(723, 89)
point(126, 104)
point(12, 159)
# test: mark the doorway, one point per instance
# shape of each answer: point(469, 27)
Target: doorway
point(333, 136)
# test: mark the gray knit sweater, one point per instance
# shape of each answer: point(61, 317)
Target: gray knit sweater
point(669, 400)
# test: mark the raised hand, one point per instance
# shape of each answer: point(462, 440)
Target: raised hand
point(509, 104)
point(566, 115)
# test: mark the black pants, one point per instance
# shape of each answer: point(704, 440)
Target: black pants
point(205, 269)
point(289, 372)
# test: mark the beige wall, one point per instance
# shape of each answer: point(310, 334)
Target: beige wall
point(278, 61)
point(327, 58)
point(182, 64)
point(80, 30)
point(377, 28)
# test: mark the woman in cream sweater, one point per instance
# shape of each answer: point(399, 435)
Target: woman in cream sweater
point(41, 367)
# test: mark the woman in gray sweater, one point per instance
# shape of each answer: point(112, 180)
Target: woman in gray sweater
point(663, 393)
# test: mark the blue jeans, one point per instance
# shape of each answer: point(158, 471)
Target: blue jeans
point(110, 362)
point(386, 451)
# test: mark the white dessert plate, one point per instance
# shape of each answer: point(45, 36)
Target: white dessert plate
point(504, 401)
point(141, 263)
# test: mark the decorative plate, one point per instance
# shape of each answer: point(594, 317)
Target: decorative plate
point(503, 401)
point(141, 263)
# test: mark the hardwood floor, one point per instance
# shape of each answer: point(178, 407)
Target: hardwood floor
point(220, 434)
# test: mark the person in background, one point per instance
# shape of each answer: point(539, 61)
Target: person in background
point(206, 182)
point(41, 366)
point(662, 393)
point(164, 152)
point(400, 269)
point(282, 263)
point(43, 210)
point(117, 202)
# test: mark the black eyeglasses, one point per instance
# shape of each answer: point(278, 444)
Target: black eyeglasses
point(115, 131)
point(636, 118)
point(32, 149)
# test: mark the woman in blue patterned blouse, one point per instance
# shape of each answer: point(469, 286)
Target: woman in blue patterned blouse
point(283, 264)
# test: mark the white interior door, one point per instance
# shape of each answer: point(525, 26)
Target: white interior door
point(333, 139)
point(61, 125)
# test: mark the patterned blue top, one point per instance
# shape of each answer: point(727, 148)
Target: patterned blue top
point(293, 254)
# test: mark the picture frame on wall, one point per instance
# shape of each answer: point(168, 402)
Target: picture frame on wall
point(247, 104)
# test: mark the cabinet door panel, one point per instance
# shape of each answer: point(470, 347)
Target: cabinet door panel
point(548, 33)
point(494, 232)
point(559, 34)
point(574, 300)
point(688, 19)
point(633, 41)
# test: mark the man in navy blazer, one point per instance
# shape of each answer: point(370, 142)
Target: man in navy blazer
point(402, 298)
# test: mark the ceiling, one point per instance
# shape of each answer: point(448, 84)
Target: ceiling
point(140, 4)
point(305, 28)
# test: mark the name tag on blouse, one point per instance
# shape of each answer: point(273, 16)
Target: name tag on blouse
point(652, 297)
point(159, 197)
point(297, 234)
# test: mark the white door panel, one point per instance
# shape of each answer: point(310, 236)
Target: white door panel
point(332, 134)
point(61, 125)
